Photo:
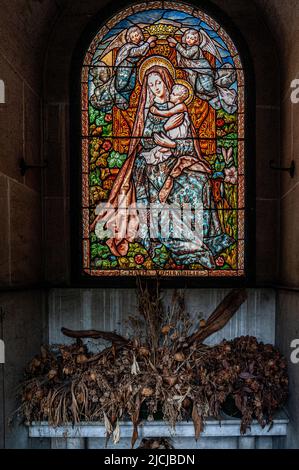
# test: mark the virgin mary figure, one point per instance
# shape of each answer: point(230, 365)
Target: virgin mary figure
point(181, 180)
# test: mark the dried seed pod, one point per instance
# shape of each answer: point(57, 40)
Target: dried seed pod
point(171, 380)
point(81, 358)
point(93, 376)
point(135, 369)
point(179, 357)
point(65, 354)
point(166, 329)
point(67, 371)
point(144, 351)
point(80, 398)
point(147, 392)
point(52, 373)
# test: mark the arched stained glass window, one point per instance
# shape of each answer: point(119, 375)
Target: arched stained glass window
point(163, 146)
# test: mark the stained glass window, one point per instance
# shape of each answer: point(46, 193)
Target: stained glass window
point(163, 146)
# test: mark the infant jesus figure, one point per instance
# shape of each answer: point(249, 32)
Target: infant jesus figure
point(179, 94)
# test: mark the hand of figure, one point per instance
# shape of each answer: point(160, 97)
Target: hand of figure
point(164, 141)
point(152, 39)
point(172, 42)
point(174, 121)
point(153, 109)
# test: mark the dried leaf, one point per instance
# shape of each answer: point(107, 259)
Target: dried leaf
point(108, 425)
point(135, 369)
point(116, 433)
point(135, 420)
point(197, 421)
point(221, 315)
point(134, 436)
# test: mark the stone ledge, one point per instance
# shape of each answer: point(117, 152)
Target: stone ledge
point(228, 427)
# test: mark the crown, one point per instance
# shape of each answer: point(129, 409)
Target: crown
point(162, 31)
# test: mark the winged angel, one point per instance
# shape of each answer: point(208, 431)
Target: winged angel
point(114, 83)
point(115, 88)
point(209, 84)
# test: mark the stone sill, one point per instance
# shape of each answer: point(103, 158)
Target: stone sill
point(226, 432)
point(228, 427)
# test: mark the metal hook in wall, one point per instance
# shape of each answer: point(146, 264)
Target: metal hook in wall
point(24, 166)
point(290, 170)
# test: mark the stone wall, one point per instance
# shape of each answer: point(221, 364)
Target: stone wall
point(108, 310)
point(284, 20)
point(23, 326)
point(24, 32)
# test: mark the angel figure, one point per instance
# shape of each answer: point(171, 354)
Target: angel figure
point(115, 89)
point(209, 84)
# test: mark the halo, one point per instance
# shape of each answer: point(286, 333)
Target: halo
point(155, 60)
point(180, 81)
